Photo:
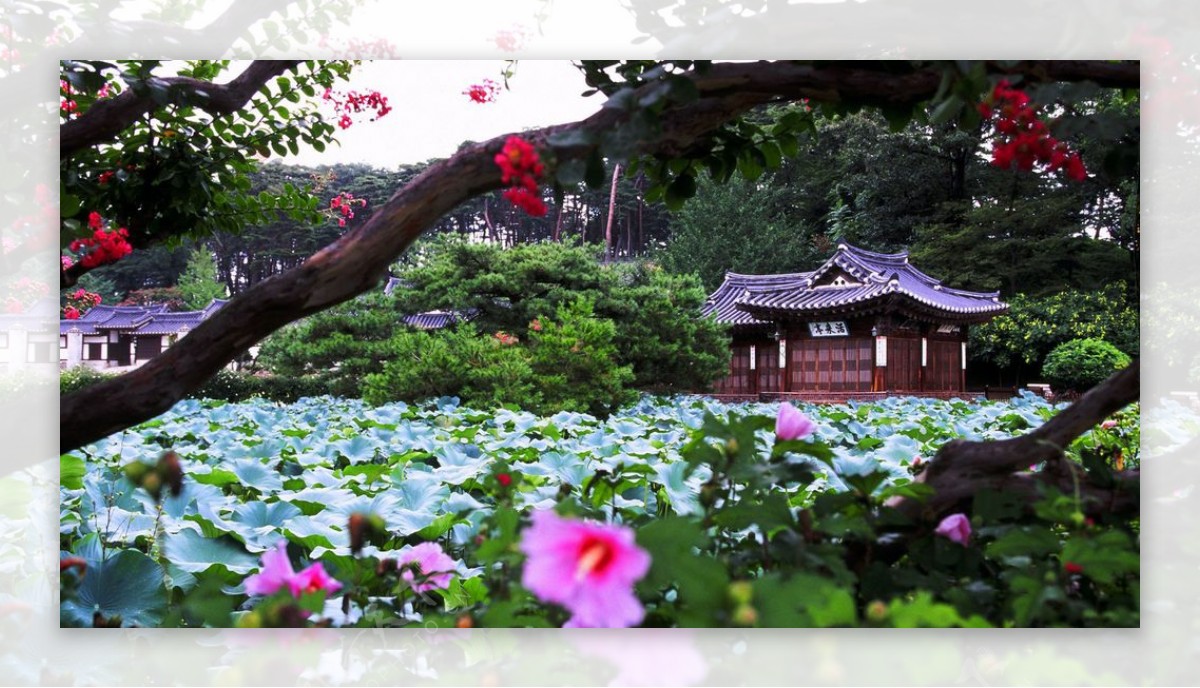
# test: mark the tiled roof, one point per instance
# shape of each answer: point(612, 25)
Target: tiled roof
point(852, 279)
point(171, 323)
point(435, 320)
point(155, 319)
point(724, 301)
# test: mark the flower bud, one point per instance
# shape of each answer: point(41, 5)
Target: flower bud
point(136, 471)
point(170, 471)
point(250, 620)
point(152, 484)
point(877, 611)
point(731, 447)
point(357, 526)
point(464, 621)
point(741, 592)
point(67, 563)
point(745, 615)
point(385, 566)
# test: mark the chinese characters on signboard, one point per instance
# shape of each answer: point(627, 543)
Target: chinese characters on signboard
point(836, 328)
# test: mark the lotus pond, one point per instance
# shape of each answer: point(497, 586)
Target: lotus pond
point(741, 529)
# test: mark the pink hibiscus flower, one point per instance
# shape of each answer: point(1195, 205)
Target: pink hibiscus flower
point(436, 567)
point(791, 424)
point(276, 572)
point(588, 568)
point(955, 527)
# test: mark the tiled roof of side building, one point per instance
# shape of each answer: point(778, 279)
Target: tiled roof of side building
point(171, 323)
point(153, 319)
point(435, 320)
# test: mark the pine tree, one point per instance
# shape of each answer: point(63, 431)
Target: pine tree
point(199, 284)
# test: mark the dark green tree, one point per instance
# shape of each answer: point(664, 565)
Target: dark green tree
point(658, 329)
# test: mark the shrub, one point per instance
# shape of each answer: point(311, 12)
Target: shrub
point(336, 348)
point(228, 386)
point(659, 331)
point(479, 369)
point(1080, 364)
point(79, 377)
point(1035, 325)
point(288, 389)
point(565, 364)
point(575, 362)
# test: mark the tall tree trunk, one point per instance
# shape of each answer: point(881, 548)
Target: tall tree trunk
point(641, 242)
point(487, 218)
point(612, 202)
point(557, 237)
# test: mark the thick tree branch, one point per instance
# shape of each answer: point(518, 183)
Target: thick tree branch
point(961, 469)
point(358, 261)
point(107, 118)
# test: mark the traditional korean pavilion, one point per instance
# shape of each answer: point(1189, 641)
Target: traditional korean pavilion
point(862, 324)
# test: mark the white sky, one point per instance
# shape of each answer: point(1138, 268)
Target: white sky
point(431, 117)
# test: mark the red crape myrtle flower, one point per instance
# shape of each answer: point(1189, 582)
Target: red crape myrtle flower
point(353, 102)
point(520, 168)
point(104, 246)
point(483, 92)
point(344, 203)
point(1022, 138)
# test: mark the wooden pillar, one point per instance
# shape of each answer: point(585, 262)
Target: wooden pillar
point(879, 380)
point(785, 364)
point(962, 374)
point(754, 369)
point(924, 357)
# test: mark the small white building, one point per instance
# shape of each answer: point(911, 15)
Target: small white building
point(122, 337)
point(27, 339)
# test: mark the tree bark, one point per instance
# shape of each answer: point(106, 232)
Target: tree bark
point(961, 469)
point(612, 203)
point(357, 262)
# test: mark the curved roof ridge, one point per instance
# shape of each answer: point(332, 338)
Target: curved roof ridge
point(902, 256)
point(968, 292)
point(780, 276)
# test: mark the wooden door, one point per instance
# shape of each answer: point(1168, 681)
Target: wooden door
point(944, 370)
point(904, 364)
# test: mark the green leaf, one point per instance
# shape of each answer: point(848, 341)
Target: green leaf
point(71, 470)
point(897, 116)
point(571, 138)
point(595, 175)
point(923, 612)
point(681, 189)
point(440, 526)
point(194, 553)
point(570, 171)
point(253, 473)
point(1105, 558)
point(947, 110)
point(68, 204)
point(677, 559)
point(771, 154)
point(802, 601)
point(772, 512)
point(1026, 541)
point(128, 585)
